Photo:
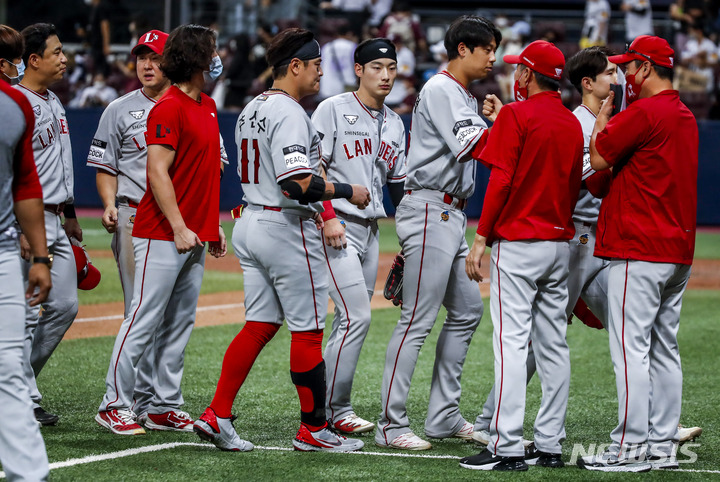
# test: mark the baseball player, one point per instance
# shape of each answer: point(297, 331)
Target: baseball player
point(22, 450)
point(119, 154)
point(646, 228)
point(527, 217)
point(176, 216)
point(45, 64)
point(279, 163)
point(362, 141)
point(447, 133)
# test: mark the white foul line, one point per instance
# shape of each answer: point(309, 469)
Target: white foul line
point(172, 445)
point(200, 309)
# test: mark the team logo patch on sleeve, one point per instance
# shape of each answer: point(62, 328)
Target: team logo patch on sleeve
point(137, 114)
point(464, 130)
point(352, 119)
point(36, 109)
point(295, 156)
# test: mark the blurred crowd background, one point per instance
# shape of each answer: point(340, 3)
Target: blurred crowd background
point(98, 36)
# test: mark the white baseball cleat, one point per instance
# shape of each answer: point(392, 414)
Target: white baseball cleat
point(466, 432)
point(353, 424)
point(407, 441)
point(220, 432)
point(482, 437)
point(121, 422)
point(324, 440)
point(688, 434)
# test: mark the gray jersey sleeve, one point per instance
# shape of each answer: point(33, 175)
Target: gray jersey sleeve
point(291, 141)
point(456, 121)
point(106, 144)
point(396, 171)
point(326, 124)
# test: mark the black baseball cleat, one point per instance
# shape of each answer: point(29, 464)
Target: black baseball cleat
point(533, 456)
point(486, 460)
point(45, 418)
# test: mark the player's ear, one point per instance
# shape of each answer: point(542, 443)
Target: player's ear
point(586, 84)
point(294, 66)
point(462, 49)
point(34, 60)
point(359, 69)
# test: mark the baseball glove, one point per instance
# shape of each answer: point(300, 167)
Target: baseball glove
point(394, 282)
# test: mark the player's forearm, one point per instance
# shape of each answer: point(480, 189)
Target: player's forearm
point(396, 191)
point(597, 161)
point(164, 193)
point(30, 215)
point(107, 185)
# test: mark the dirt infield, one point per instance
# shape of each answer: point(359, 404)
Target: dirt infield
point(224, 308)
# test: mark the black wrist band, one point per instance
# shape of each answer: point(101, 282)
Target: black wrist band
point(342, 190)
point(69, 211)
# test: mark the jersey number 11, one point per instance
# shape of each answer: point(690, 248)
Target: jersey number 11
point(245, 161)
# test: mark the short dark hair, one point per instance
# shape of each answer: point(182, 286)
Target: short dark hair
point(12, 45)
point(589, 62)
point(473, 31)
point(289, 40)
point(189, 48)
point(662, 72)
point(35, 37)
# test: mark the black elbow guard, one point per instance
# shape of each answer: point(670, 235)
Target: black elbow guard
point(315, 191)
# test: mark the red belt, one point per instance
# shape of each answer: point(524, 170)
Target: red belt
point(56, 209)
point(448, 199)
point(132, 204)
point(272, 208)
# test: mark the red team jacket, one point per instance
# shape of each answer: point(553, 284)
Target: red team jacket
point(650, 212)
point(535, 150)
point(191, 129)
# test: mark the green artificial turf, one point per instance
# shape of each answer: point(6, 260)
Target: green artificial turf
point(73, 384)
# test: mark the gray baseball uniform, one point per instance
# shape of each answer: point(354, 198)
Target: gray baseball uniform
point(22, 450)
point(293, 286)
point(119, 149)
point(53, 158)
point(367, 147)
point(431, 226)
point(587, 278)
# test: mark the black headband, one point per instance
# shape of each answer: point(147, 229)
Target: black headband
point(309, 51)
point(379, 48)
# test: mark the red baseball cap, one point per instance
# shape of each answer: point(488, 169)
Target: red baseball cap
point(88, 276)
point(154, 40)
point(647, 47)
point(542, 57)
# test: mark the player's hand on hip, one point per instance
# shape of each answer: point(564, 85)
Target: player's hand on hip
point(472, 262)
point(185, 240)
point(72, 228)
point(491, 107)
point(360, 196)
point(24, 248)
point(218, 248)
point(334, 233)
point(39, 284)
point(110, 219)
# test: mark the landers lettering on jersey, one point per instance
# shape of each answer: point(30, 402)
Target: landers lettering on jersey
point(137, 114)
point(295, 156)
point(97, 150)
point(358, 148)
point(388, 154)
point(464, 131)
